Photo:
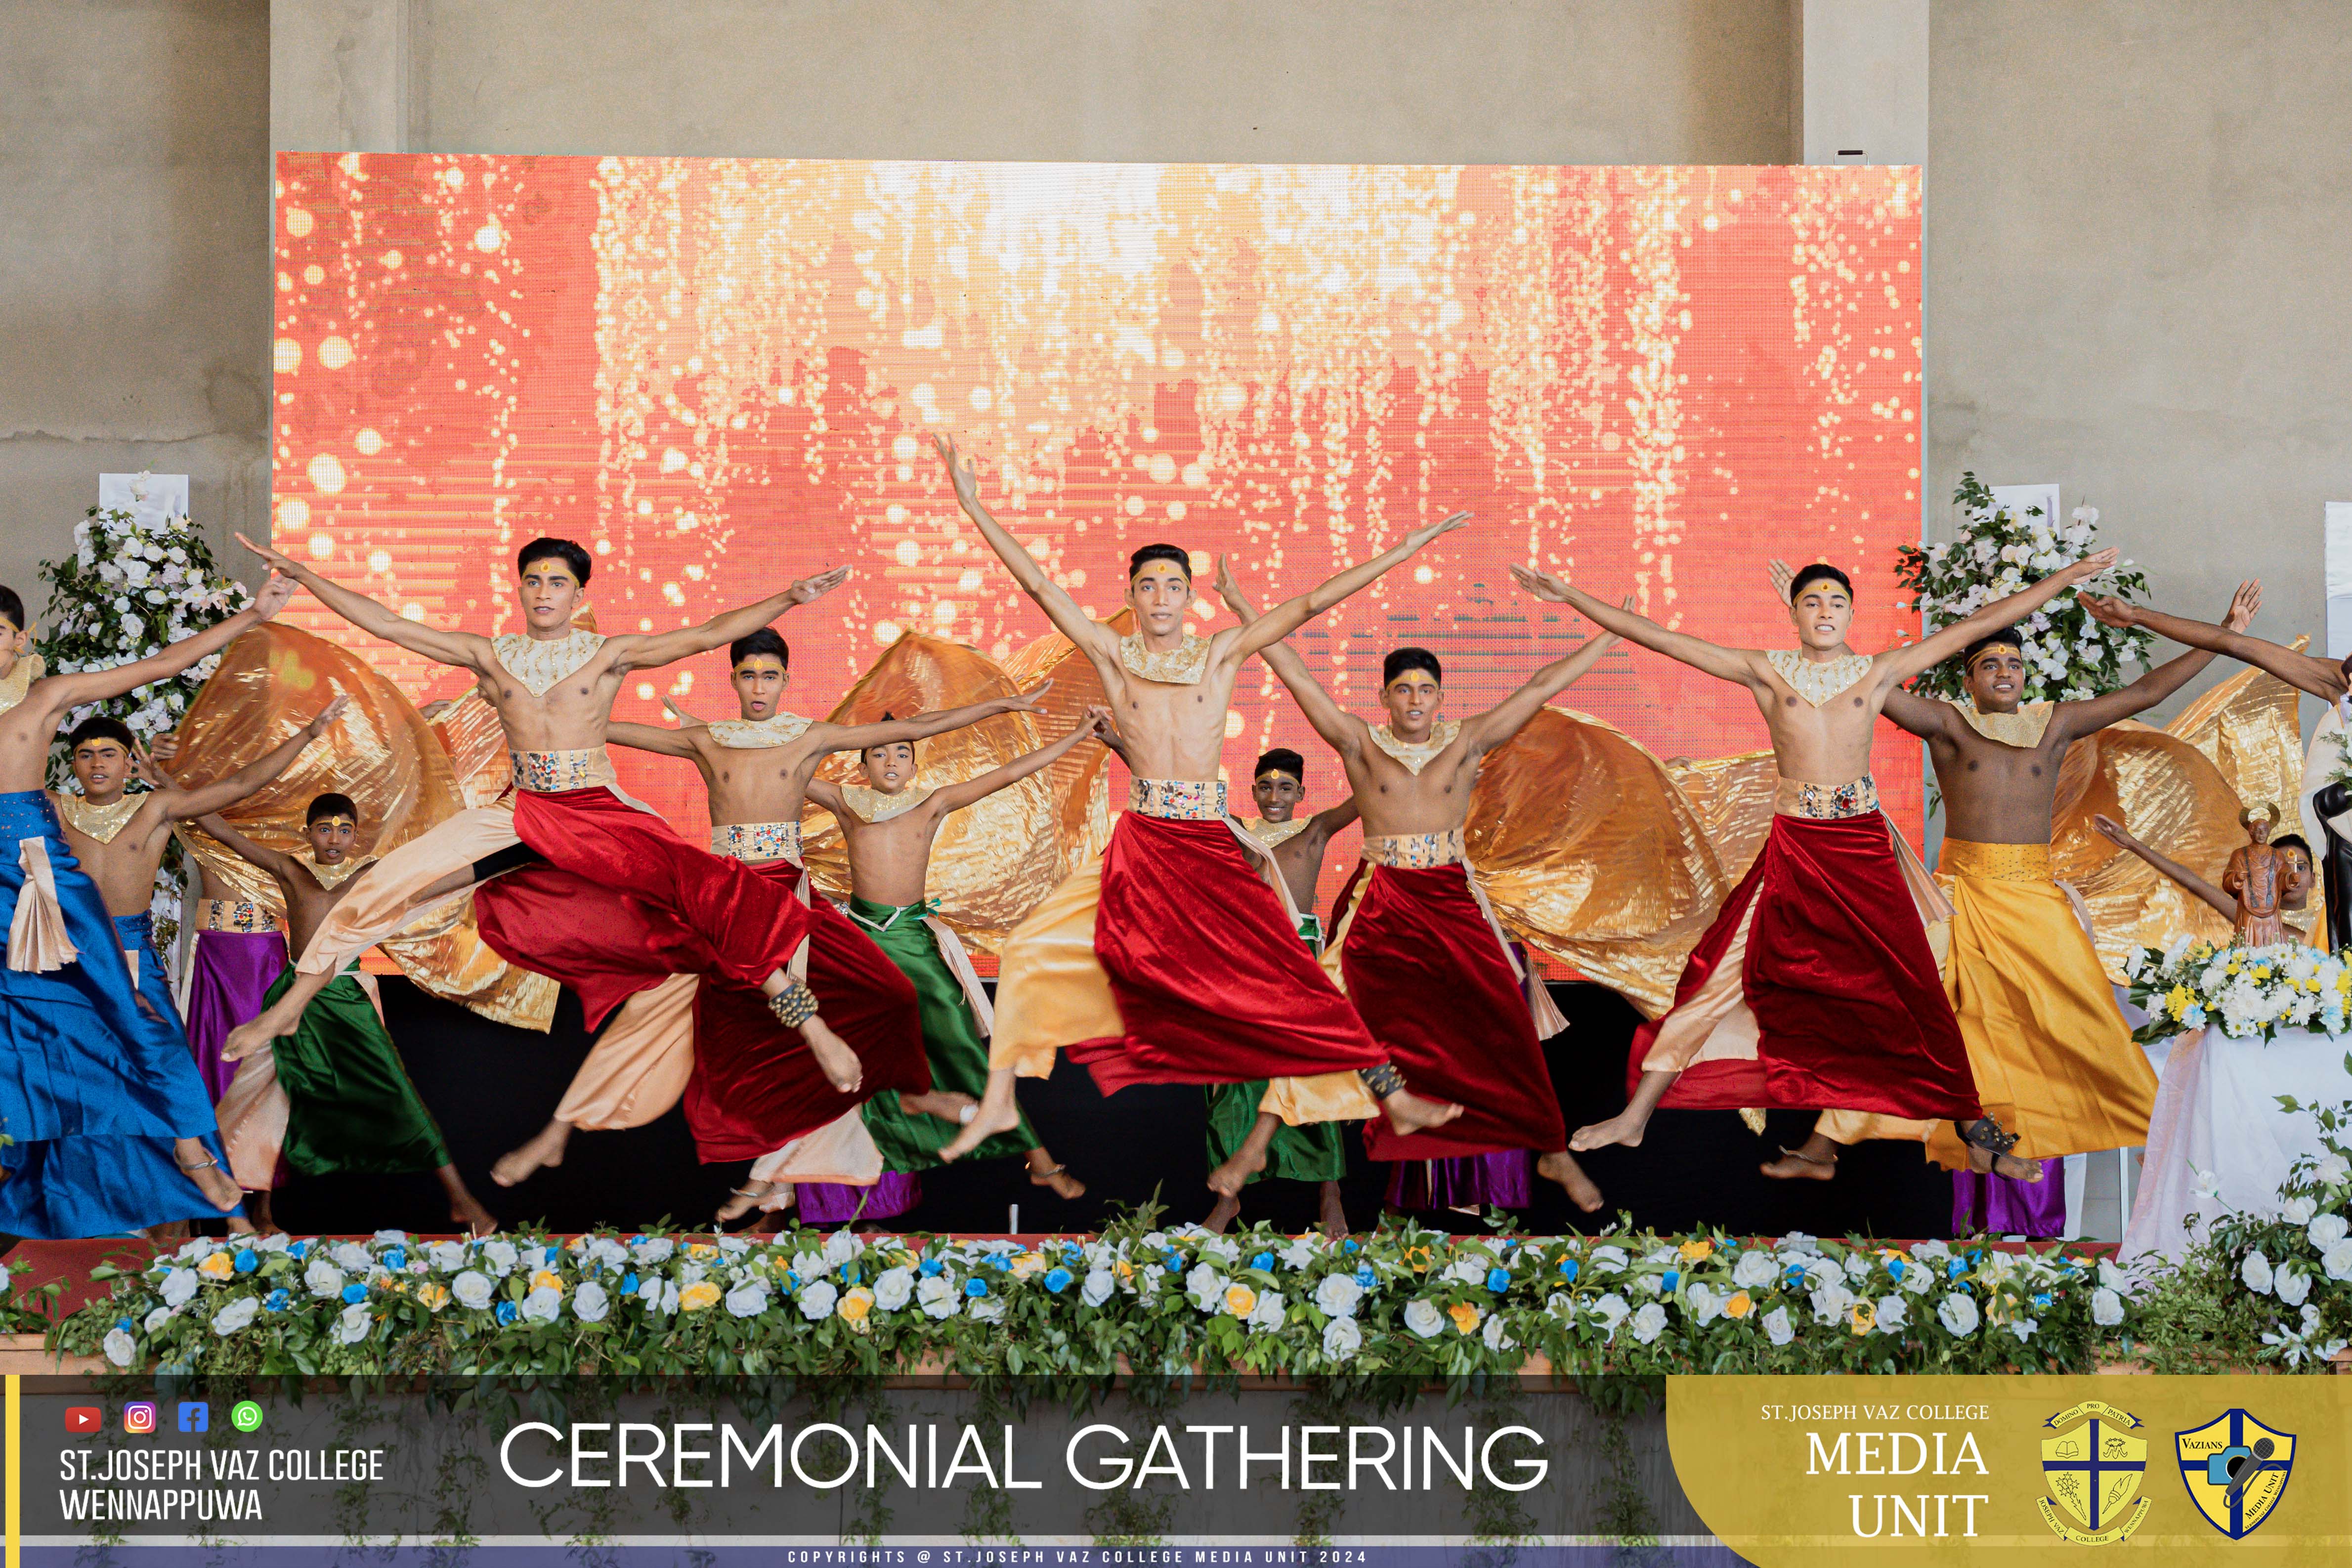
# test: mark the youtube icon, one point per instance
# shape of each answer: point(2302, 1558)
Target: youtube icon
point(85, 1418)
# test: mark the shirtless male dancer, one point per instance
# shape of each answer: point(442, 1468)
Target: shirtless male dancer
point(1195, 974)
point(1815, 989)
point(2053, 1059)
point(1425, 964)
point(116, 1138)
point(629, 901)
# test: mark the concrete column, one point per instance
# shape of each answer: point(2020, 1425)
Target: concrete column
point(341, 76)
point(1861, 87)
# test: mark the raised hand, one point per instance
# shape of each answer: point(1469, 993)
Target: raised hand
point(1229, 587)
point(149, 762)
point(961, 473)
point(2108, 612)
point(685, 719)
point(809, 589)
point(273, 595)
point(1444, 525)
point(2090, 565)
point(1030, 701)
point(2243, 604)
point(328, 715)
point(1098, 720)
point(1784, 577)
point(1541, 583)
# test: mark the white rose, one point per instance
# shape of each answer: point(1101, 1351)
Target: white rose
point(1610, 1310)
point(1267, 1313)
point(352, 1326)
point(1830, 1302)
point(654, 1249)
point(472, 1289)
point(446, 1255)
point(1958, 1313)
point(1497, 1340)
point(1341, 1339)
point(120, 1348)
point(750, 1300)
point(1098, 1287)
point(178, 1286)
point(817, 1302)
point(541, 1305)
point(2298, 1211)
point(1465, 1272)
point(1754, 1270)
point(1423, 1318)
point(236, 1315)
point(2331, 1169)
point(351, 1256)
point(2327, 1231)
point(323, 1278)
point(1649, 1323)
point(2294, 1285)
point(2338, 1260)
point(987, 1309)
point(840, 1247)
point(894, 1288)
point(1608, 1257)
point(1206, 1288)
point(937, 1295)
point(157, 1319)
point(1777, 1326)
point(2107, 1308)
point(590, 1303)
point(499, 1256)
point(1336, 1295)
point(2256, 1272)
point(2023, 1328)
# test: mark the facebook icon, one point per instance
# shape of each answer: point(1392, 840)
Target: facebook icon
point(195, 1415)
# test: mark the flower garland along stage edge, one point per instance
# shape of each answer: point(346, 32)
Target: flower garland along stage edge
point(2252, 993)
point(1994, 553)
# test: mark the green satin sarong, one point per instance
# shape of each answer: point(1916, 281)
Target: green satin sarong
point(351, 1110)
point(1308, 1153)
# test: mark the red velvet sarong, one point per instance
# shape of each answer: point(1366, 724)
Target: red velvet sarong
point(1212, 981)
point(756, 1085)
point(1426, 974)
point(1850, 1010)
point(625, 903)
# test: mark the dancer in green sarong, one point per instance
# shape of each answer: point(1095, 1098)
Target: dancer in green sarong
point(888, 824)
point(351, 1110)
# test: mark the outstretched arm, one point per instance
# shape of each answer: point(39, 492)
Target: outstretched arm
point(180, 805)
point(58, 693)
point(1507, 717)
point(651, 651)
point(1340, 730)
point(276, 862)
point(1060, 609)
point(956, 796)
point(923, 726)
point(1743, 666)
point(650, 738)
point(462, 648)
point(2323, 678)
point(1898, 664)
point(2098, 712)
point(2114, 831)
point(1292, 613)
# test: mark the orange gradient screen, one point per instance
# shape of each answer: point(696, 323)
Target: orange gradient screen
point(722, 375)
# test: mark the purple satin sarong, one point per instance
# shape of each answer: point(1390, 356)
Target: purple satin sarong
point(232, 974)
point(1500, 1180)
point(1984, 1204)
point(828, 1203)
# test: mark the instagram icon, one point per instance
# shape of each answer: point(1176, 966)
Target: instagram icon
point(139, 1415)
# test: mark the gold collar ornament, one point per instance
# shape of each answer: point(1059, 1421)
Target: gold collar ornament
point(757, 734)
point(98, 822)
point(1416, 757)
point(1813, 680)
point(540, 664)
point(1273, 833)
point(19, 680)
point(872, 806)
point(342, 871)
point(1182, 666)
point(2024, 729)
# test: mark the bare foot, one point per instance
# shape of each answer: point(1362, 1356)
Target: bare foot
point(204, 1171)
point(1334, 1218)
point(1228, 1208)
point(1059, 1179)
point(743, 1199)
point(997, 1113)
point(945, 1105)
point(1228, 1179)
point(468, 1211)
point(1624, 1128)
point(842, 1069)
point(238, 1225)
point(1409, 1113)
point(545, 1148)
point(1561, 1167)
point(1984, 1162)
point(1795, 1164)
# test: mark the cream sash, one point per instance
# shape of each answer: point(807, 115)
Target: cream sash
point(38, 940)
point(841, 1152)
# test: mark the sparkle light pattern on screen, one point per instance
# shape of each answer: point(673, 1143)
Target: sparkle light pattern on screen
point(721, 375)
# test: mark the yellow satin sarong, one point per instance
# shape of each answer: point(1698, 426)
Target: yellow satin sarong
point(2050, 1055)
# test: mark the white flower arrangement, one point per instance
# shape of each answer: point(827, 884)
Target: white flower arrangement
point(1994, 553)
point(2253, 992)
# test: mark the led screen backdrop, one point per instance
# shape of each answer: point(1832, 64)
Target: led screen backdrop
point(720, 375)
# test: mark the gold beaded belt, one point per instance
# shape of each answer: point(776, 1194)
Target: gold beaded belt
point(1178, 799)
point(758, 841)
point(554, 772)
point(1827, 802)
point(235, 915)
point(1995, 862)
point(1415, 852)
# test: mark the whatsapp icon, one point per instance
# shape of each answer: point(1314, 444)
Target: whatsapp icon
point(245, 1415)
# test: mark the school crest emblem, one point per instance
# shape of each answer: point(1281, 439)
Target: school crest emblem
point(2235, 1469)
point(2093, 1463)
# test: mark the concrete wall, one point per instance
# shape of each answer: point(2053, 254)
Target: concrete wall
point(134, 261)
point(2138, 272)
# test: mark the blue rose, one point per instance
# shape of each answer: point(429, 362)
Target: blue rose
point(999, 1263)
point(274, 1301)
point(247, 1260)
point(125, 1325)
point(629, 1283)
point(1175, 1265)
point(2043, 1300)
point(931, 1267)
point(1351, 1245)
point(1569, 1269)
point(1498, 1279)
point(792, 1279)
point(397, 1258)
point(1956, 1268)
point(1264, 1262)
point(1673, 1277)
point(849, 1273)
point(354, 1293)
point(1895, 1267)
point(1365, 1277)
point(506, 1313)
point(1057, 1279)
point(299, 1250)
point(975, 1286)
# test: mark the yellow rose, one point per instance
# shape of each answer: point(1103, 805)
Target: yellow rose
point(432, 1297)
point(1697, 1251)
point(701, 1251)
point(1464, 1316)
point(2262, 971)
point(1419, 1258)
point(1028, 1264)
point(1239, 1299)
point(546, 1280)
point(1739, 1306)
point(217, 1266)
point(697, 1296)
point(1865, 1318)
point(1122, 1268)
point(855, 1308)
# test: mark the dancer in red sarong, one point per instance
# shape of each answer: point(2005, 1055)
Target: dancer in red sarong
point(1816, 988)
point(1171, 961)
point(1421, 954)
point(594, 890)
